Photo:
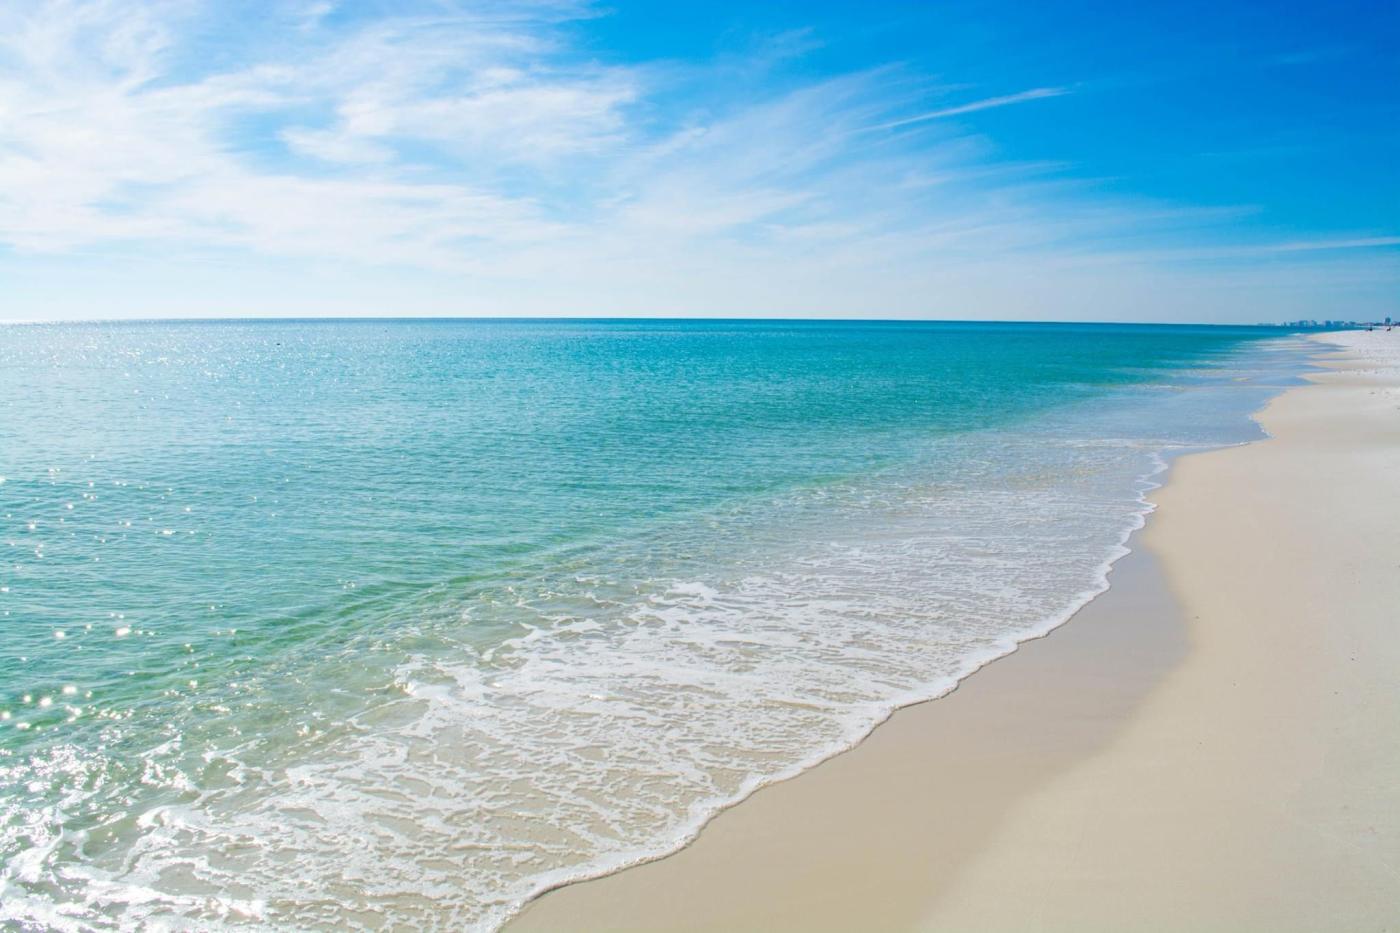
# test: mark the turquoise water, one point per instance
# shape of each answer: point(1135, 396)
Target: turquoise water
point(314, 624)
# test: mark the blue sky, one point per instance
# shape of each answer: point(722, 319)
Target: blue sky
point(1097, 161)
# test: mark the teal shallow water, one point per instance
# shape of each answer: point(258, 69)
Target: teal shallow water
point(313, 624)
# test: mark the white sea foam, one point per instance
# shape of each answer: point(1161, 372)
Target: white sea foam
point(590, 742)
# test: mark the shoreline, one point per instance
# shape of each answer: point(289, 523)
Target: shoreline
point(1119, 553)
point(1020, 674)
point(896, 830)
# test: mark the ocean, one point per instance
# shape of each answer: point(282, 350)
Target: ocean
point(312, 624)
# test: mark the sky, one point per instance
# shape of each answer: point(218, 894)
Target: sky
point(1188, 161)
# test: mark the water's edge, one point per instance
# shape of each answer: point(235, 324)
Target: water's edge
point(1147, 483)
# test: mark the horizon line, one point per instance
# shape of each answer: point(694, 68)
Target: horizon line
point(344, 318)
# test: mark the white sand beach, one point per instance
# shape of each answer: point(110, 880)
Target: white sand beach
point(1211, 745)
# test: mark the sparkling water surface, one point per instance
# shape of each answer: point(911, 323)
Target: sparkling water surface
point(394, 624)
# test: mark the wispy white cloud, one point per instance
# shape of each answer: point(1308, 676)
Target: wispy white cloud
point(104, 140)
point(454, 158)
point(1307, 246)
point(445, 141)
point(987, 103)
point(1292, 250)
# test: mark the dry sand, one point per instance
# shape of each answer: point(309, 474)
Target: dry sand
point(1214, 744)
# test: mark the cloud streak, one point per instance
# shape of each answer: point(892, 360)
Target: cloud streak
point(989, 103)
point(1307, 246)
